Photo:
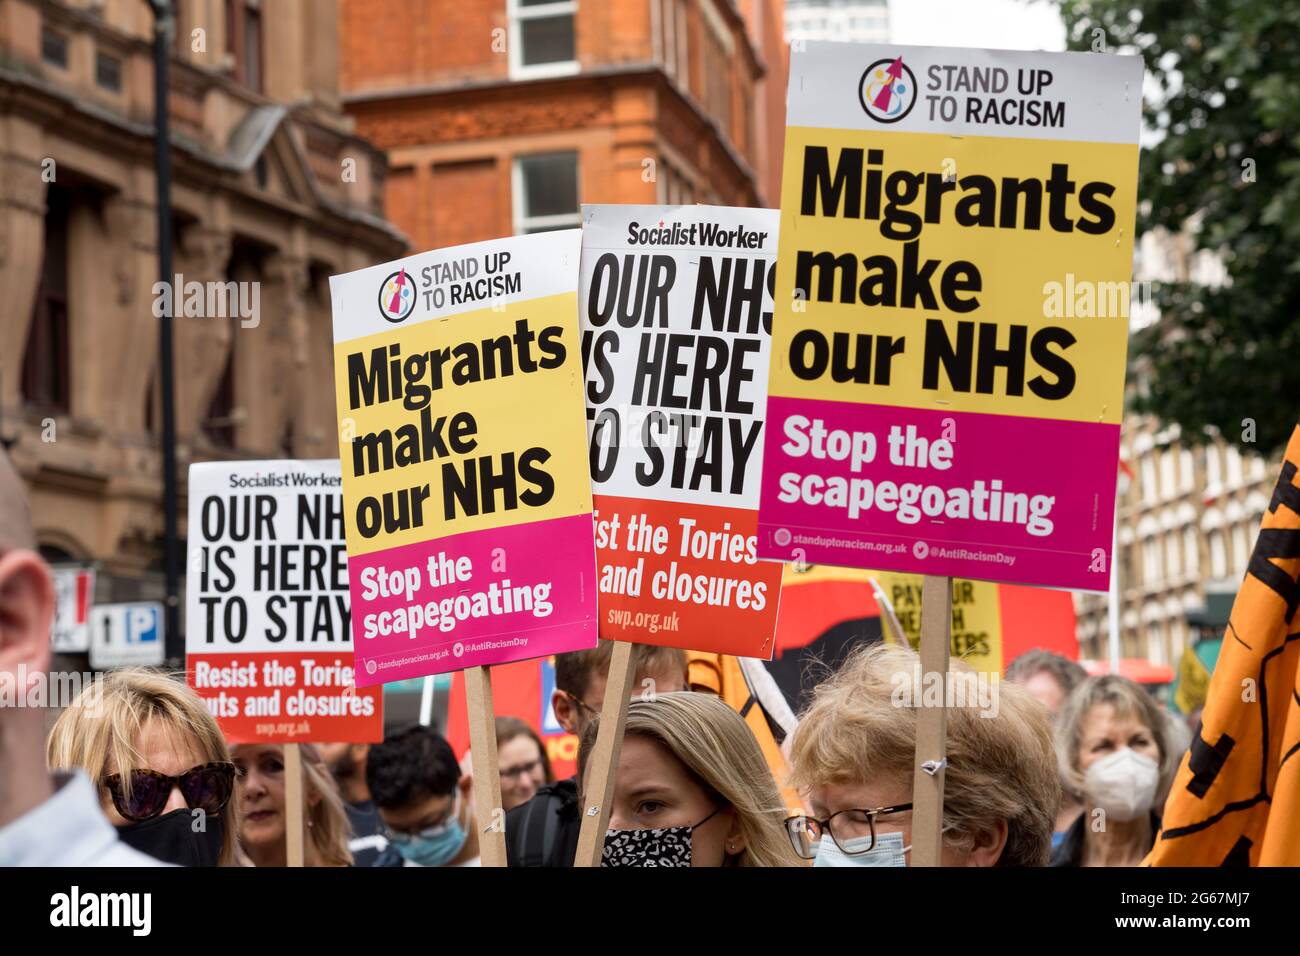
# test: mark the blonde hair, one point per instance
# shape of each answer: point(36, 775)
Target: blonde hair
point(713, 742)
point(100, 732)
point(1129, 700)
point(328, 825)
point(1000, 767)
point(328, 828)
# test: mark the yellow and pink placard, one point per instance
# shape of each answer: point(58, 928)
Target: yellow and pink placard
point(463, 443)
point(952, 312)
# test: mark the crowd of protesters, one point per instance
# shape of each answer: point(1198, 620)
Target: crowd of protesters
point(1067, 769)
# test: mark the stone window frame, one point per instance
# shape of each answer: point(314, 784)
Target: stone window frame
point(51, 35)
point(238, 15)
point(105, 65)
point(517, 13)
point(522, 222)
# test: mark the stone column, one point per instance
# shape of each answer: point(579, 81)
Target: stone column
point(22, 248)
point(202, 341)
point(113, 277)
point(278, 361)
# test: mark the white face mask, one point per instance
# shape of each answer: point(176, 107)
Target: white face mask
point(888, 851)
point(1123, 784)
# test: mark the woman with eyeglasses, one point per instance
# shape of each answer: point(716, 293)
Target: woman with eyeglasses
point(692, 788)
point(161, 764)
point(521, 761)
point(263, 819)
point(852, 759)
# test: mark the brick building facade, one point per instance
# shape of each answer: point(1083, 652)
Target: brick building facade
point(502, 116)
point(271, 187)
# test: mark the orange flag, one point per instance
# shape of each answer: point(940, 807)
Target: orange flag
point(1236, 800)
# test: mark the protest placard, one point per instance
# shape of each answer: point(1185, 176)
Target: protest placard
point(676, 305)
point(268, 634)
point(463, 445)
point(951, 319)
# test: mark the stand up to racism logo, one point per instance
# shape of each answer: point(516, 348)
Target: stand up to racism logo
point(887, 90)
point(397, 296)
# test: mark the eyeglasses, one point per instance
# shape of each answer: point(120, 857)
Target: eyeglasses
point(207, 787)
point(403, 837)
point(523, 769)
point(844, 827)
point(582, 703)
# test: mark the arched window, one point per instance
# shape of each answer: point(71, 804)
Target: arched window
point(1240, 549)
point(1218, 555)
point(1191, 552)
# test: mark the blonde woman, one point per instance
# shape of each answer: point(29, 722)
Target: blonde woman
point(262, 815)
point(1114, 746)
point(852, 761)
point(165, 779)
point(692, 789)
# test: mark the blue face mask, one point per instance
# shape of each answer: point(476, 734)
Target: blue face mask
point(435, 846)
point(888, 851)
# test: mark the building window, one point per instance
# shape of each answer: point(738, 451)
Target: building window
point(1212, 472)
point(674, 33)
point(1171, 554)
point(253, 48)
point(244, 41)
point(1218, 556)
point(1191, 552)
point(673, 189)
point(1156, 651)
point(1150, 562)
point(1240, 549)
point(180, 35)
point(1234, 467)
point(54, 48)
point(45, 378)
point(108, 71)
point(718, 49)
point(546, 193)
point(219, 423)
point(1168, 483)
point(1150, 491)
point(542, 37)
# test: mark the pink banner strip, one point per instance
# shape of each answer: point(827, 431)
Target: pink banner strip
point(1022, 500)
point(474, 599)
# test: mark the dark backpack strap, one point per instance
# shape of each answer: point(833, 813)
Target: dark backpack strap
point(536, 822)
point(534, 828)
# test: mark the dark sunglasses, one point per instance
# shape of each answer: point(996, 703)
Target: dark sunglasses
point(207, 787)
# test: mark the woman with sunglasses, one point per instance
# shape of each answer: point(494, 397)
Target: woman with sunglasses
point(852, 759)
point(260, 788)
point(164, 773)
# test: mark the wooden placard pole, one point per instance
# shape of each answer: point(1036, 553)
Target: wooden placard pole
point(598, 791)
point(931, 723)
point(488, 814)
point(293, 801)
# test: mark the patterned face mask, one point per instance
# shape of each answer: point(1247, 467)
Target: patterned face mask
point(665, 846)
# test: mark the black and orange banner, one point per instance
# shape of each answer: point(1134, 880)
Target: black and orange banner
point(1236, 799)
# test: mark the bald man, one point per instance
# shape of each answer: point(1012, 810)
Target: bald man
point(45, 819)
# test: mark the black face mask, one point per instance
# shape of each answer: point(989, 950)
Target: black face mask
point(170, 837)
